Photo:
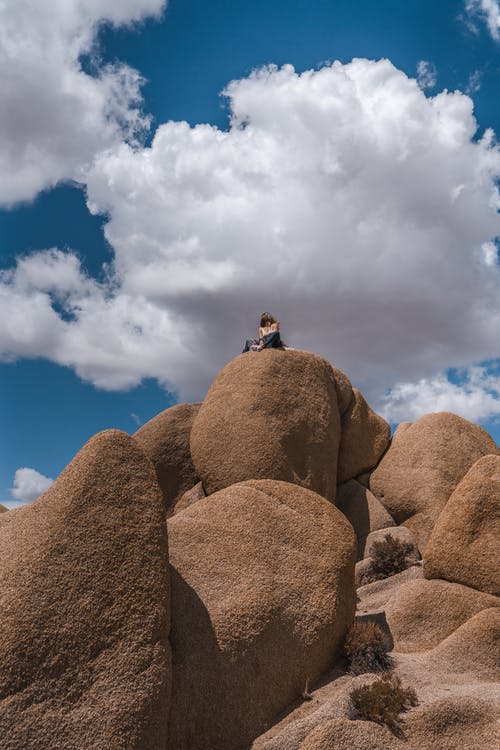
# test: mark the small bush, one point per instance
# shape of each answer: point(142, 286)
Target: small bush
point(383, 701)
point(389, 556)
point(366, 649)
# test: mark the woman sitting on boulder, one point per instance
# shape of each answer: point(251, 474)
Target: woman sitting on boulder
point(269, 335)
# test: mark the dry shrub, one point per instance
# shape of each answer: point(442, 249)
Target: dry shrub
point(383, 701)
point(366, 649)
point(389, 556)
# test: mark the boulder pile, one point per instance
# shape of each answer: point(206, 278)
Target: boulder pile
point(191, 586)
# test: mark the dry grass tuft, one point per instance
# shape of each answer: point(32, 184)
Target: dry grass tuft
point(390, 556)
point(366, 649)
point(383, 701)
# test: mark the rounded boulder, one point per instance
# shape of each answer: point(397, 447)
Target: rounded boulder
point(165, 441)
point(464, 543)
point(84, 607)
point(270, 415)
point(363, 510)
point(365, 437)
point(423, 465)
point(423, 613)
point(262, 595)
point(473, 648)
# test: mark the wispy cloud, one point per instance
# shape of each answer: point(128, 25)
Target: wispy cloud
point(487, 11)
point(426, 74)
point(474, 82)
point(135, 417)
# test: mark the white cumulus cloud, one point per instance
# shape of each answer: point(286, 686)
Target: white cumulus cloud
point(29, 484)
point(55, 116)
point(476, 396)
point(488, 11)
point(357, 209)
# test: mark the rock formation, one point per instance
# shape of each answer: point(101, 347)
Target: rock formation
point(231, 635)
point(271, 415)
point(426, 461)
point(473, 648)
point(165, 440)
point(363, 510)
point(262, 595)
point(423, 613)
point(365, 437)
point(84, 608)
point(464, 546)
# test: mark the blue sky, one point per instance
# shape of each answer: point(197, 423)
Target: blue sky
point(57, 392)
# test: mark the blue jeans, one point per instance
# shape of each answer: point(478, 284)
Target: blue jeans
point(271, 341)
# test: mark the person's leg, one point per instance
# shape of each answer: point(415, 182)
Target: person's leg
point(272, 341)
point(249, 343)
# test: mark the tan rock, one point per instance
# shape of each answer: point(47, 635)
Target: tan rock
point(84, 608)
point(3, 509)
point(363, 572)
point(190, 497)
point(165, 440)
point(423, 613)
point(294, 726)
point(271, 415)
point(363, 510)
point(365, 437)
point(402, 427)
point(345, 734)
point(462, 722)
point(464, 546)
point(262, 595)
point(421, 525)
point(472, 648)
point(345, 393)
point(374, 597)
point(424, 465)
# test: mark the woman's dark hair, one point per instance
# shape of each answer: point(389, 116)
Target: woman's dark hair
point(266, 319)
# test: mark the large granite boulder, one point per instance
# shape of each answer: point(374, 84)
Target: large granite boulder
point(270, 415)
point(464, 545)
point(165, 440)
point(365, 437)
point(84, 608)
point(262, 595)
point(363, 510)
point(423, 613)
point(472, 649)
point(424, 464)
